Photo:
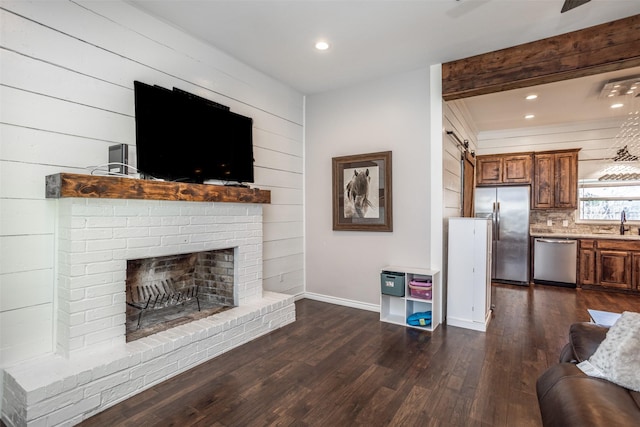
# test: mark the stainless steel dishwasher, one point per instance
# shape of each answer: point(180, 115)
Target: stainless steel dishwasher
point(555, 261)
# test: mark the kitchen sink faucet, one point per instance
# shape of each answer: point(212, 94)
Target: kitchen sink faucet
point(623, 219)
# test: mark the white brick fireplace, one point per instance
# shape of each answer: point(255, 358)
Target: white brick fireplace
point(93, 367)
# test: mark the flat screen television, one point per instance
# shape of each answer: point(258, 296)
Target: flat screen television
point(182, 137)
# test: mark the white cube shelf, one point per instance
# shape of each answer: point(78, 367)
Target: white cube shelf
point(396, 309)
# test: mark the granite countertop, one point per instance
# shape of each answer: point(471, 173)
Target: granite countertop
point(608, 236)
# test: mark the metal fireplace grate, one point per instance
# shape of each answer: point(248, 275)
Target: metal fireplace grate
point(160, 294)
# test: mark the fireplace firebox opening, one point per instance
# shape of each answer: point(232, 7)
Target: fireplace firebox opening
point(167, 291)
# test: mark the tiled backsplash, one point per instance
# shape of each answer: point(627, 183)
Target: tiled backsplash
point(538, 224)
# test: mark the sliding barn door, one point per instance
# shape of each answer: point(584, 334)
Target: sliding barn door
point(468, 183)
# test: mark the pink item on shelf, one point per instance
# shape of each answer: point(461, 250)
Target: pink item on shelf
point(420, 283)
point(420, 290)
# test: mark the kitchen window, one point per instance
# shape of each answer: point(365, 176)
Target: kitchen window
point(598, 200)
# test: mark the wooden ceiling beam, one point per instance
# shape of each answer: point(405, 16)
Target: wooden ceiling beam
point(594, 50)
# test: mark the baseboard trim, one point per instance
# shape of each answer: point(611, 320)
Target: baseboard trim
point(342, 301)
point(468, 324)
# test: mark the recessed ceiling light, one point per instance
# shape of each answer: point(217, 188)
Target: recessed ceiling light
point(322, 45)
point(529, 116)
point(617, 105)
point(532, 96)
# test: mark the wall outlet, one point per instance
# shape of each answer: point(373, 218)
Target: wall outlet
point(565, 222)
point(549, 223)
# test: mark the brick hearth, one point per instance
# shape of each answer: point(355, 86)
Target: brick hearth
point(93, 367)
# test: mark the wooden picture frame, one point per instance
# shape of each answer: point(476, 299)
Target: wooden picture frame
point(362, 192)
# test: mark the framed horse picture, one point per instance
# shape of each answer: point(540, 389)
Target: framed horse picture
point(362, 192)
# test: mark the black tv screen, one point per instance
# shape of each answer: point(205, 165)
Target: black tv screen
point(182, 137)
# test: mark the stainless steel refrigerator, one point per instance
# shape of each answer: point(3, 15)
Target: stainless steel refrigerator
point(508, 209)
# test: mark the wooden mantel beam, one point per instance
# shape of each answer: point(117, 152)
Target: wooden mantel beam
point(594, 50)
point(111, 187)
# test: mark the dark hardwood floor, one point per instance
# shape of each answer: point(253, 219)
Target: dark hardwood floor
point(338, 366)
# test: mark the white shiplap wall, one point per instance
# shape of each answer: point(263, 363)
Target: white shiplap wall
point(456, 119)
point(66, 95)
point(594, 138)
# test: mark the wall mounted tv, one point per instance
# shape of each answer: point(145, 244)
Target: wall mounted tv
point(183, 137)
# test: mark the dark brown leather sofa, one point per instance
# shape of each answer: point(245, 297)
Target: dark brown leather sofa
point(568, 397)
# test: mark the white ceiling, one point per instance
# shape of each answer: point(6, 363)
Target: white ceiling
point(568, 101)
point(371, 39)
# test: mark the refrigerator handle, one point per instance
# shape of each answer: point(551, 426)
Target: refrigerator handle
point(497, 210)
point(493, 221)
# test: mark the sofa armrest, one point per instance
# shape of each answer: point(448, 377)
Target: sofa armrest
point(584, 339)
point(566, 355)
point(569, 398)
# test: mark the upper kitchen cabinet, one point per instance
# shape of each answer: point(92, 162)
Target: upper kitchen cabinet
point(555, 179)
point(503, 169)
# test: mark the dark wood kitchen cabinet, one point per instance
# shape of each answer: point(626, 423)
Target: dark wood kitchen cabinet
point(543, 181)
point(586, 262)
point(609, 264)
point(502, 169)
point(613, 269)
point(635, 271)
point(555, 180)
